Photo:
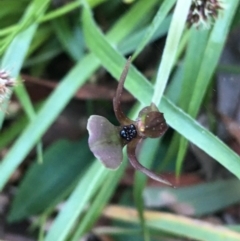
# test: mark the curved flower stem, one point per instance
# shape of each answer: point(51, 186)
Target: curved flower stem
point(131, 147)
point(122, 118)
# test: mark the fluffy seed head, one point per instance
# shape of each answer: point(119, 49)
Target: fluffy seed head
point(6, 82)
point(204, 12)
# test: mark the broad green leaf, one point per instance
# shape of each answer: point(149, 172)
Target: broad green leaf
point(43, 185)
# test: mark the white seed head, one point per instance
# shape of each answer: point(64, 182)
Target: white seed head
point(6, 82)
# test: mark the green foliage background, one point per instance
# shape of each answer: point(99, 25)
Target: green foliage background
point(92, 186)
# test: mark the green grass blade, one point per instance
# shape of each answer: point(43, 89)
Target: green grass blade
point(129, 44)
point(171, 47)
point(100, 201)
point(52, 14)
point(140, 180)
point(165, 7)
point(69, 37)
point(34, 11)
point(17, 50)
point(9, 134)
point(195, 50)
point(14, 56)
point(121, 28)
point(26, 103)
point(174, 224)
point(76, 203)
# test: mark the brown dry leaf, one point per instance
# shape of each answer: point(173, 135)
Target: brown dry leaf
point(39, 89)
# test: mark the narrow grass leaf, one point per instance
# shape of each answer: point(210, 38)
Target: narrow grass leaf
point(111, 59)
point(164, 8)
point(19, 44)
point(195, 50)
point(99, 202)
point(41, 39)
point(9, 134)
point(121, 28)
point(174, 224)
point(88, 185)
point(170, 50)
point(140, 180)
point(129, 44)
point(26, 103)
point(66, 34)
point(33, 12)
point(14, 56)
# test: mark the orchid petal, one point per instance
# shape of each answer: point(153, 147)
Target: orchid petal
point(151, 122)
point(147, 110)
point(104, 141)
point(131, 147)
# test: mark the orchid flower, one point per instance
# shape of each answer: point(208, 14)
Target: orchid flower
point(106, 141)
